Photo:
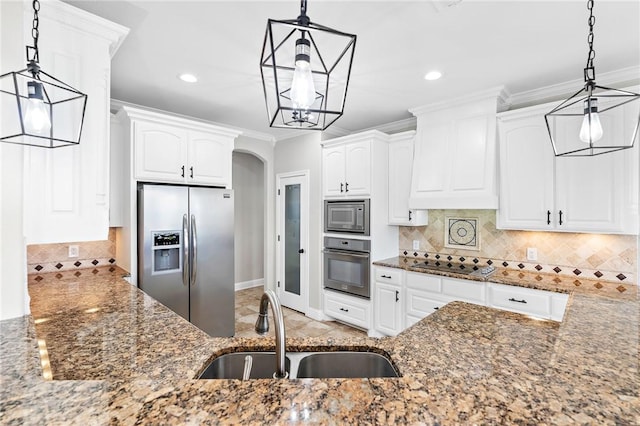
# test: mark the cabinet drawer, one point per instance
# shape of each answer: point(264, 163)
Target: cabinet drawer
point(521, 300)
point(420, 305)
point(464, 290)
point(347, 309)
point(432, 283)
point(389, 275)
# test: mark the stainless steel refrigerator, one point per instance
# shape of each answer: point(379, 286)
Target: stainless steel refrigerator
point(185, 253)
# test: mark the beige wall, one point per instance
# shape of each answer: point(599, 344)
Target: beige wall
point(590, 254)
point(249, 207)
point(304, 153)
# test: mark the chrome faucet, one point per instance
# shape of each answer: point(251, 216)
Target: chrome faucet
point(262, 327)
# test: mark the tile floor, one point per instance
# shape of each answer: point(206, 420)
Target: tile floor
point(296, 324)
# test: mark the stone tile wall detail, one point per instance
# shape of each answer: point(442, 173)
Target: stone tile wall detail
point(42, 258)
point(596, 256)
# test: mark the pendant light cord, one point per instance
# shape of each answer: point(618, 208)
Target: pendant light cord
point(32, 61)
point(589, 71)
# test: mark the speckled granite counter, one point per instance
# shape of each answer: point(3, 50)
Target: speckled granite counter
point(118, 357)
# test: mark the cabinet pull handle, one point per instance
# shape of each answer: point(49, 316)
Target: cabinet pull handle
point(436, 308)
point(341, 186)
point(560, 217)
point(397, 295)
point(385, 276)
point(409, 215)
point(344, 310)
point(346, 187)
point(182, 171)
point(517, 301)
point(191, 170)
point(548, 217)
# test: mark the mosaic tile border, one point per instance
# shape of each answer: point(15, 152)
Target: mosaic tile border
point(476, 262)
point(70, 265)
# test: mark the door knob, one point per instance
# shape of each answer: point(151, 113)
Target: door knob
point(301, 251)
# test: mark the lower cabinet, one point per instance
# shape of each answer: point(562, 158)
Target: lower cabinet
point(350, 309)
point(388, 308)
point(408, 297)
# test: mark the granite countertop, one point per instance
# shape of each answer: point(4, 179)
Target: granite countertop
point(118, 357)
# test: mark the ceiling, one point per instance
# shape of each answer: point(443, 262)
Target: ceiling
point(523, 45)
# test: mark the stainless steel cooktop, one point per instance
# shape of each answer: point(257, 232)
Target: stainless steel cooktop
point(457, 268)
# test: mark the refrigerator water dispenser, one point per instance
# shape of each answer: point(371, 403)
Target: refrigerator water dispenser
point(166, 252)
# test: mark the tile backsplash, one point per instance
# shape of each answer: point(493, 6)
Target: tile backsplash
point(43, 258)
point(598, 256)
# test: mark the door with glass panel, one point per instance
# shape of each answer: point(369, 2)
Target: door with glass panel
point(293, 240)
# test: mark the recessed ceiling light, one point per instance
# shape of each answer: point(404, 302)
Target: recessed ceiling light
point(432, 75)
point(188, 78)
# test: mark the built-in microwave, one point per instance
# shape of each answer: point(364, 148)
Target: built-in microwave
point(350, 216)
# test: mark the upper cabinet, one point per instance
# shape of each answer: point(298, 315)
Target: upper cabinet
point(400, 166)
point(175, 150)
point(581, 194)
point(347, 169)
point(454, 165)
point(67, 189)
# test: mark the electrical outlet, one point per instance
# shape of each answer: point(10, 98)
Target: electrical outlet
point(416, 244)
point(74, 251)
point(532, 253)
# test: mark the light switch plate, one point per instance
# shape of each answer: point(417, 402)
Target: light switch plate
point(416, 244)
point(532, 253)
point(74, 251)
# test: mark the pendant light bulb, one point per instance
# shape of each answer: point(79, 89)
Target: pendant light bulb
point(36, 116)
point(591, 129)
point(303, 92)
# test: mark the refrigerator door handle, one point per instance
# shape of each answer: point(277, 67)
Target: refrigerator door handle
point(194, 252)
point(185, 250)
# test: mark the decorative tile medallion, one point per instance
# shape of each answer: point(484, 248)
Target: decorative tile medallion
point(462, 232)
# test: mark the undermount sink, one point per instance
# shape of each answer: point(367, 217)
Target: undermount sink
point(342, 364)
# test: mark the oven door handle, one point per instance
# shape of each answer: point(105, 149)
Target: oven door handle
point(347, 253)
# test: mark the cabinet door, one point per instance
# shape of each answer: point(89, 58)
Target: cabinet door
point(160, 152)
point(388, 311)
point(358, 169)
point(209, 159)
point(421, 304)
point(590, 190)
point(526, 174)
point(400, 163)
point(333, 166)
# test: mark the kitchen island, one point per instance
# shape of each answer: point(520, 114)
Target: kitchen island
point(96, 350)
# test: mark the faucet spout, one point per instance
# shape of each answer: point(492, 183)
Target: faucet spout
point(262, 327)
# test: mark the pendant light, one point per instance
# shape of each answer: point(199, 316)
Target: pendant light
point(37, 109)
point(305, 69)
point(591, 121)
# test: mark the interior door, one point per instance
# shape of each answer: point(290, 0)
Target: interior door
point(293, 240)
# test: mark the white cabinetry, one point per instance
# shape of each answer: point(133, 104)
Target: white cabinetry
point(400, 166)
point(178, 151)
point(388, 301)
point(347, 169)
point(582, 194)
point(67, 189)
point(352, 310)
point(455, 154)
point(403, 299)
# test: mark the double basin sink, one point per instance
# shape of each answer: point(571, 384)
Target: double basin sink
point(299, 365)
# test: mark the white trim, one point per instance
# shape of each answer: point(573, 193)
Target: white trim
point(317, 314)
point(560, 90)
point(250, 284)
point(501, 94)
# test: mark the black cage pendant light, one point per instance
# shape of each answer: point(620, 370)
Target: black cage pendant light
point(36, 108)
point(592, 121)
point(305, 70)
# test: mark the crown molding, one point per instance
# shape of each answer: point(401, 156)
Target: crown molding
point(500, 93)
point(625, 76)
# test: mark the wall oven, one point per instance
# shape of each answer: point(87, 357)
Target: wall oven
point(347, 265)
point(350, 216)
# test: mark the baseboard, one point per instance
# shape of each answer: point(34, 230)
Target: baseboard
point(317, 314)
point(250, 284)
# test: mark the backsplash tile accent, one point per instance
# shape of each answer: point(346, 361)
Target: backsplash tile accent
point(605, 257)
point(43, 258)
